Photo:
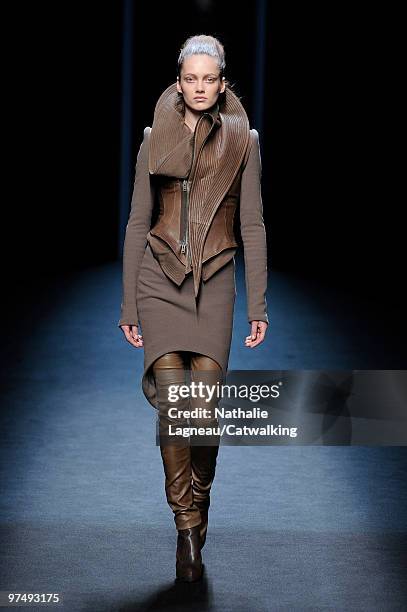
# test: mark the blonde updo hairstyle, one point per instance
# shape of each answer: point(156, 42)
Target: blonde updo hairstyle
point(209, 45)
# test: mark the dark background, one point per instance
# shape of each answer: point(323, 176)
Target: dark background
point(332, 205)
point(76, 436)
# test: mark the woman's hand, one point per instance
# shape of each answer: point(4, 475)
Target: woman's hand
point(132, 335)
point(257, 334)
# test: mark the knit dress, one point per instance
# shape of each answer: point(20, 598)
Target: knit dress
point(170, 316)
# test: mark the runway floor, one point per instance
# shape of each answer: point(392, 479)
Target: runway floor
point(83, 509)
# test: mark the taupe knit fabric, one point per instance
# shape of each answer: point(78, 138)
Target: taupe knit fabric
point(171, 320)
point(172, 317)
point(251, 226)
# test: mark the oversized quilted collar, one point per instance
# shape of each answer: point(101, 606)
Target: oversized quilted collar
point(212, 156)
point(171, 141)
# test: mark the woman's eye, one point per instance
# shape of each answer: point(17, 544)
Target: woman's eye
point(191, 80)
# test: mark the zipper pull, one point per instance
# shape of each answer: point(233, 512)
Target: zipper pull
point(184, 185)
point(183, 246)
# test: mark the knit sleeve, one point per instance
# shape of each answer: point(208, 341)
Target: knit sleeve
point(254, 234)
point(138, 226)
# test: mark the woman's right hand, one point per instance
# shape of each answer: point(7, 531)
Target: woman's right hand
point(132, 335)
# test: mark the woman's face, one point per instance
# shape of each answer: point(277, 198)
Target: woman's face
point(200, 77)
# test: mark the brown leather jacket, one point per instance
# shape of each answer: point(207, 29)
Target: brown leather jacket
point(166, 237)
point(198, 181)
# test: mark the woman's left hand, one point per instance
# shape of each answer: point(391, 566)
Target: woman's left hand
point(257, 335)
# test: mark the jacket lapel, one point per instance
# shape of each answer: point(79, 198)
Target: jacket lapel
point(211, 158)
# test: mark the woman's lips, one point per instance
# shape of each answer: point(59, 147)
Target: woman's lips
point(200, 99)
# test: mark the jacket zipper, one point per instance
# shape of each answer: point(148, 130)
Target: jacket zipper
point(185, 203)
point(184, 239)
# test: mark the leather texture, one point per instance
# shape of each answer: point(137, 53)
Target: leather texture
point(211, 158)
point(188, 565)
point(204, 449)
point(189, 465)
point(203, 464)
point(222, 188)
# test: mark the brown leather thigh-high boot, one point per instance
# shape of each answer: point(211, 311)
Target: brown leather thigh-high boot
point(176, 456)
point(204, 450)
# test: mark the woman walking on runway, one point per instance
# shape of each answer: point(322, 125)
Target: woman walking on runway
point(198, 164)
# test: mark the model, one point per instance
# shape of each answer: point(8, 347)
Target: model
point(198, 164)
